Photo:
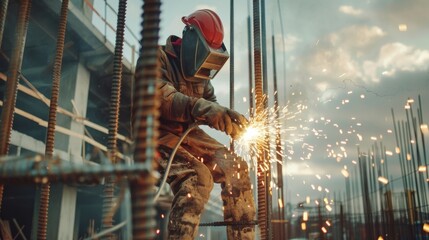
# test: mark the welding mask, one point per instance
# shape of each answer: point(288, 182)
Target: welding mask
point(203, 53)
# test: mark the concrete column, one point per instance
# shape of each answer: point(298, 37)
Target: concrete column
point(83, 7)
point(62, 206)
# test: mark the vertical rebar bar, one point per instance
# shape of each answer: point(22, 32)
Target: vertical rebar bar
point(231, 56)
point(52, 119)
point(420, 116)
point(278, 146)
point(9, 100)
point(408, 200)
point(146, 123)
point(115, 96)
point(262, 184)
point(249, 46)
point(365, 197)
point(268, 177)
point(419, 162)
point(414, 162)
point(231, 63)
point(398, 145)
point(3, 13)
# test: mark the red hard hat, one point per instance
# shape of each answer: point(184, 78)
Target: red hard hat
point(209, 24)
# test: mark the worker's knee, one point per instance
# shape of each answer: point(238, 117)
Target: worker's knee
point(204, 183)
point(195, 190)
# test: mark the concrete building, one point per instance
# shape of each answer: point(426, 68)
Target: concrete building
point(82, 118)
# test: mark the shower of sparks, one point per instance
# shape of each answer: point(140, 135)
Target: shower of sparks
point(259, 136)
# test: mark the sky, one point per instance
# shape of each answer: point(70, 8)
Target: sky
point(342, 66)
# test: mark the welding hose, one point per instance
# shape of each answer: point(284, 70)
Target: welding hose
point(170, 160)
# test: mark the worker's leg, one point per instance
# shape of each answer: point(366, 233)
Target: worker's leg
point(233, 174)
point(191, 183)
point(236, 195)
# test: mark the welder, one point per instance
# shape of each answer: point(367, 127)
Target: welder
point(188, 65)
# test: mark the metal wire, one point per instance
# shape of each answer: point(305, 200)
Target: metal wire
point(146, 123)
point(107, 231)
point(52, 120)
point(109, 187)
point(170, 160)
point(229, 223)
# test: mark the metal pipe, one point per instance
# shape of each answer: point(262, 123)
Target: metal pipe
point(9, 102)
point(146, 123)
point(115, 96)
point(52, 120)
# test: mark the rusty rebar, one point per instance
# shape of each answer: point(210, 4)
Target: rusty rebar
point(9, 101)
point(37, 169)
point(3, 13)
point(52, 120)
point(109, 186)
point(146, 122)
point(259, 100)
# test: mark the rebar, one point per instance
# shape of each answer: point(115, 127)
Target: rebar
point(413, 162)
point(37, 169)
point(146, 114)
point(279, 157)
point(9, 101)
point(3, 13)
point(52, 120)
point(231, 65)
point(115, 96)
point(249, 45)
point(419, 161)
point(231, 56)
point(259, 99)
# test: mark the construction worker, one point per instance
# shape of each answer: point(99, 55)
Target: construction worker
point(188, 64)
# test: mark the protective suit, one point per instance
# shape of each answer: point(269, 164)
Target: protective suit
point(200, 160)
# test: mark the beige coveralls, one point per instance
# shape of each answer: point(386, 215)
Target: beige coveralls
point(200, 160)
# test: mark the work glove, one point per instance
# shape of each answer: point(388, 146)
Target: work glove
point(219, 117)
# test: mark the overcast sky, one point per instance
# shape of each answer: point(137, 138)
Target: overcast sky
point(348, 62)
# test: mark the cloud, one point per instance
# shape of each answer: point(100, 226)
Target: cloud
point(356, 36)
point(357, 52)
point(350, 10)
point(394, 57)
point(204, 6)
point(298, 169)
point(289, 42)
